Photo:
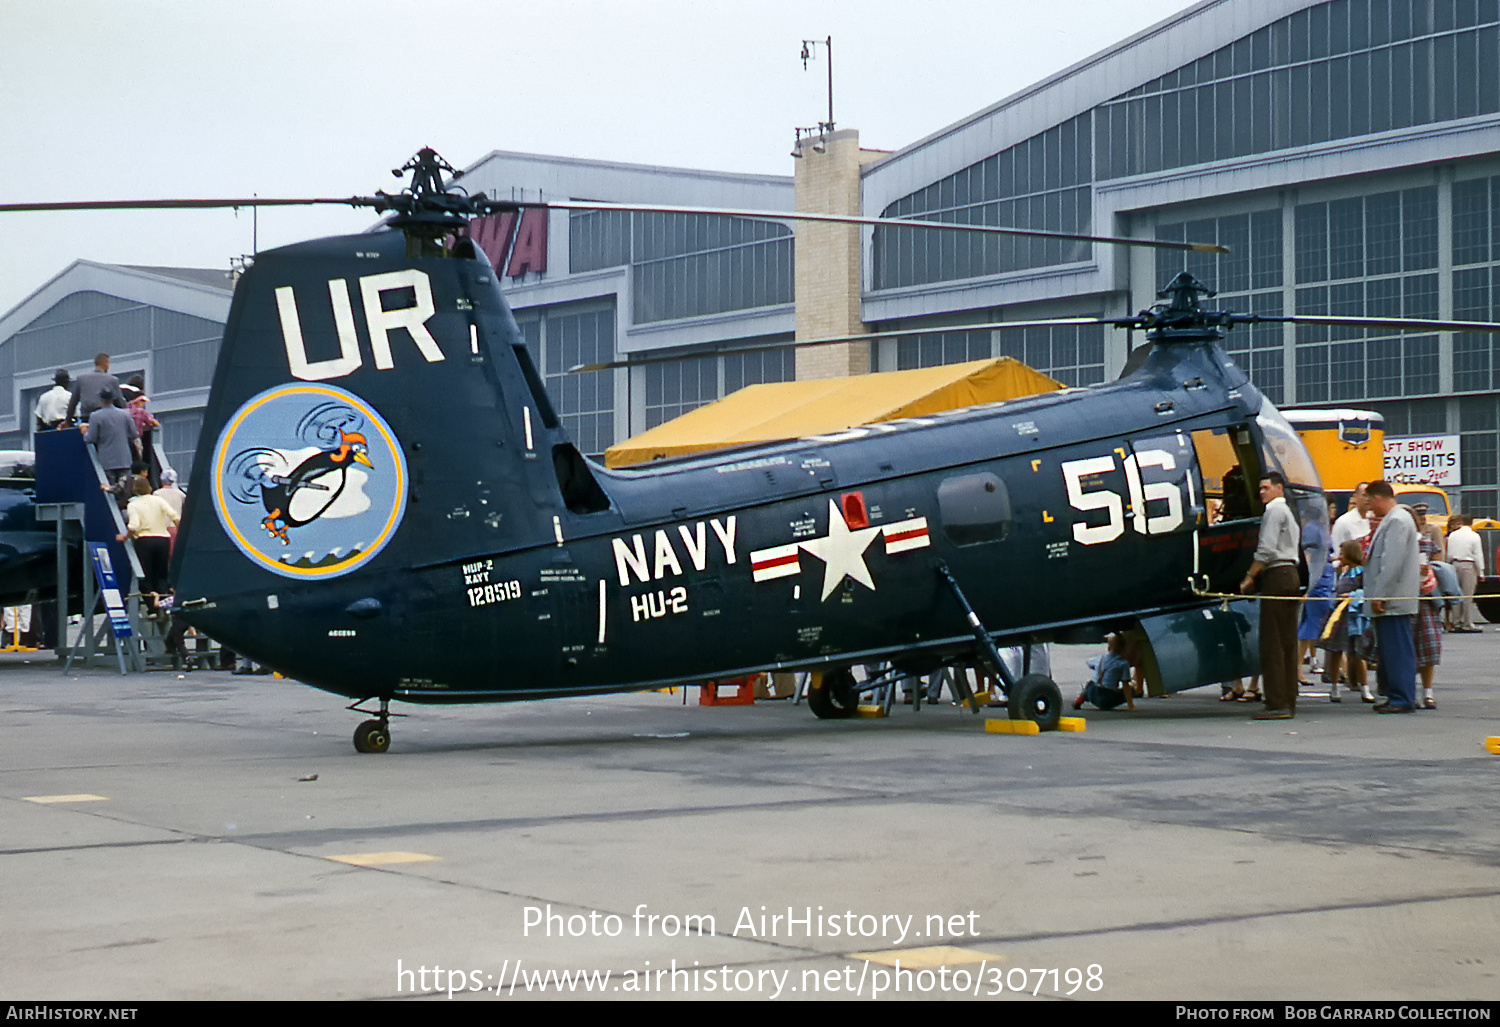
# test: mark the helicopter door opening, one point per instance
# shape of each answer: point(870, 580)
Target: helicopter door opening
point(1230, 465)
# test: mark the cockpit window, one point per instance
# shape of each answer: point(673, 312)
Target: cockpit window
point(1284, 450)
point(1304, 489)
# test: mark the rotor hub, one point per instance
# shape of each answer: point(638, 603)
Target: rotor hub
point(426, 208)
point(1182, 317)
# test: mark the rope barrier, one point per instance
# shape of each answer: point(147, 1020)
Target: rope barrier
point(1306, 599)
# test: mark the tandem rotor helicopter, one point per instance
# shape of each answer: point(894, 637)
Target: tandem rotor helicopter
point(384, 504)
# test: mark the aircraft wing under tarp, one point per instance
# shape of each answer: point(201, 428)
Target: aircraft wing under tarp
point(792, 410)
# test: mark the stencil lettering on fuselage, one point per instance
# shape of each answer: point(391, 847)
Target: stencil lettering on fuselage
point(662, 557)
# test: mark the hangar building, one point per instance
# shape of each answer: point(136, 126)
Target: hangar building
point(165, 323)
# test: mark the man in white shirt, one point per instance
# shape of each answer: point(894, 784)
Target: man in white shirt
point(1467, 557)
point(52, 407)
point(1353, 523)
point(1274, 570)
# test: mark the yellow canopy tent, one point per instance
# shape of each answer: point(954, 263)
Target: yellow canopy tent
point(791, 410)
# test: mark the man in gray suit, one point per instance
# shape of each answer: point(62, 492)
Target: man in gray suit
point(114, 437)
point(94, 389)
point(1392, 577)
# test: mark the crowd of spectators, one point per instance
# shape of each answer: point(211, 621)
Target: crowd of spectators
point(116, 421)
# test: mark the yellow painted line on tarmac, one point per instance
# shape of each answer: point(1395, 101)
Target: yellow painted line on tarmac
point(80, 797)
point(931, 957)
point(382, 859)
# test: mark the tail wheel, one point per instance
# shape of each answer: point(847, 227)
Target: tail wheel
point(834, 695)
point(1036, 697)
point(372, 736)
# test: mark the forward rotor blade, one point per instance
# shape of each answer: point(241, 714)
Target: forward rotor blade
point(252, 201)
point(370, 201)
point(1410, 324)
point(1118, 322)
point(842, 219)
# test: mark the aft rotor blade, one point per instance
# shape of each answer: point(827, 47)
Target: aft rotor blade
point(1118, 322)
point(1409, 324)
point(843, 219)
point(252, 201)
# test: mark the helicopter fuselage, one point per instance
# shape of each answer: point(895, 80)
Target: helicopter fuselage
point(491, 562)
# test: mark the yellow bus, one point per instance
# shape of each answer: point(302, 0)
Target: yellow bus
point(1347, 447)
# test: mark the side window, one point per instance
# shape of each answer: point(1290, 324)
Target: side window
point(975, 509)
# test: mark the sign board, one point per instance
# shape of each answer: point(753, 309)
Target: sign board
point(109, 589)
point(515, 244)
point(1424, 460)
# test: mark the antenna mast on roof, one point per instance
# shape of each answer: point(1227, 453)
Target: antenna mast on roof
point(810, 53)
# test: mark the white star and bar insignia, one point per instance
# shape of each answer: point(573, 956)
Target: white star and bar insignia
point(842, 550)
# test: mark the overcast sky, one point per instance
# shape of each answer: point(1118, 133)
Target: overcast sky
point(127, 99)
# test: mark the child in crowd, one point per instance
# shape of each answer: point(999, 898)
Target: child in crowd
point(1348, 624)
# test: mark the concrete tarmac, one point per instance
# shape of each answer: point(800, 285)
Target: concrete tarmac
point(209, 836)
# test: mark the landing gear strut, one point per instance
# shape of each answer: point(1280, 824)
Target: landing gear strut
point(1034, 697)
point(373, 735)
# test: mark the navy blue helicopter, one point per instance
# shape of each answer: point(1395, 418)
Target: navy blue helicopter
point(28, 550)
point(385, 506)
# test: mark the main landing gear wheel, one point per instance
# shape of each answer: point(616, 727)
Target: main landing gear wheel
point(1036, 697)
point(372, 736)
point(834, 697)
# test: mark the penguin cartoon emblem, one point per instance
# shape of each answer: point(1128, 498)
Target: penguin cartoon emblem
point(314, 486)
point(316, 500)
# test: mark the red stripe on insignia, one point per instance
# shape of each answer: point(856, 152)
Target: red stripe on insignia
point(774, 561)
point(905, 535)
